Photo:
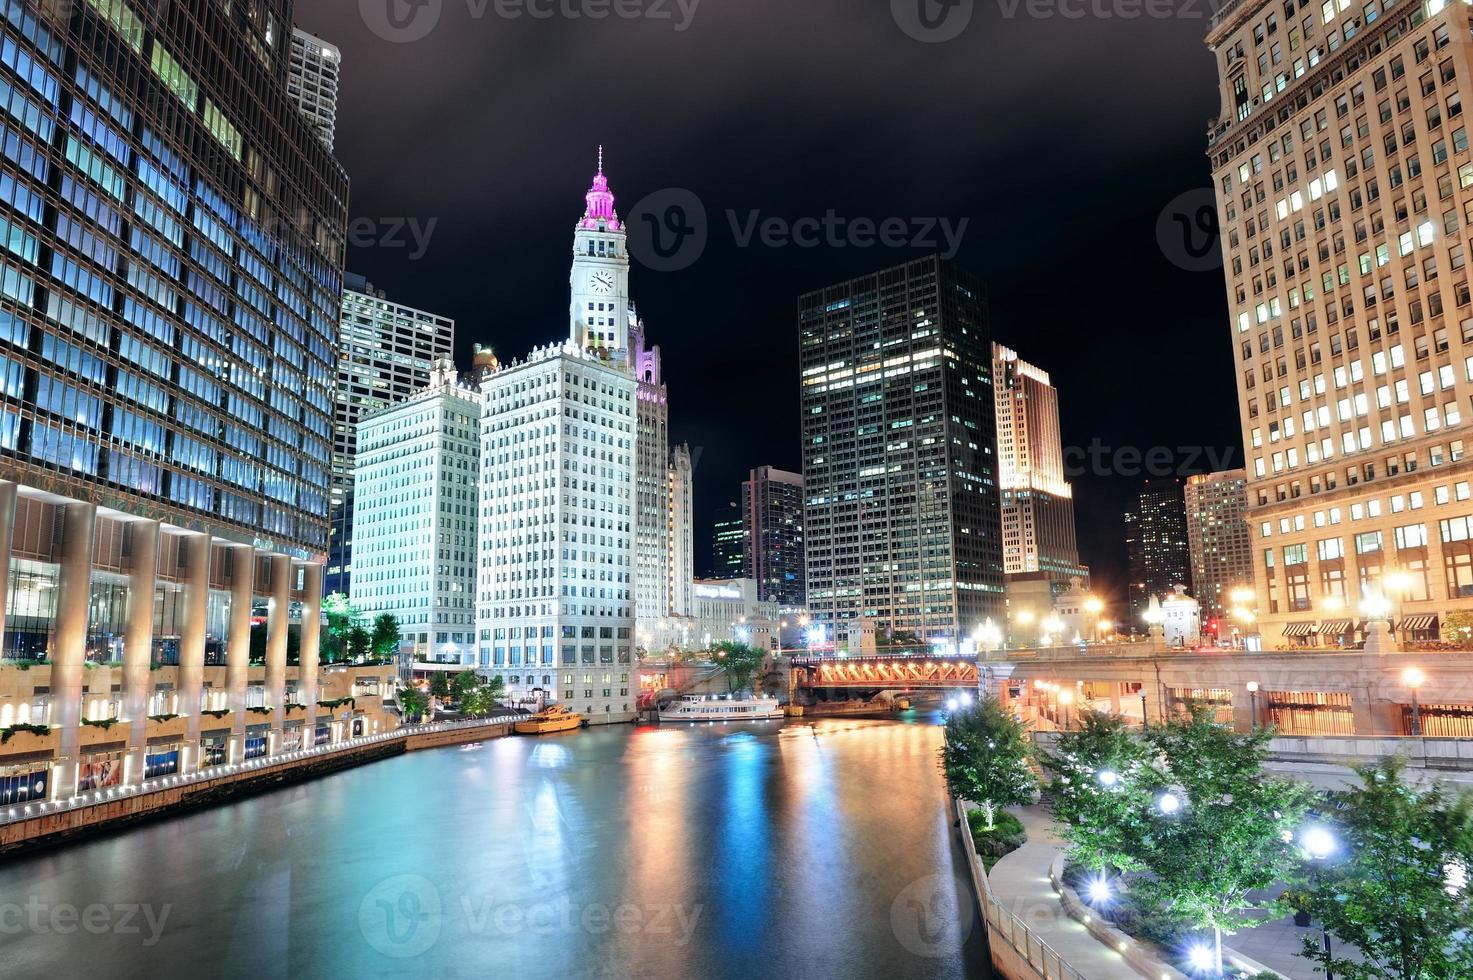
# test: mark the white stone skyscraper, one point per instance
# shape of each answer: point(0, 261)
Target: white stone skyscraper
point(564, 562)
point(682, 532)
point(414, 504)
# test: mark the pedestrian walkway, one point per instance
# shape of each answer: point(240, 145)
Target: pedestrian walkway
point(1020, 884)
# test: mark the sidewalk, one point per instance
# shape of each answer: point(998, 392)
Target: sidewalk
point(1020, 883)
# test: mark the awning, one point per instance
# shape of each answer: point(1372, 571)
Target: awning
point(1417, 624)
point(1360, 627)
point(1335, 627)
point(1299, 629)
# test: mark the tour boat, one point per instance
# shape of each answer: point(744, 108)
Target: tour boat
point(722, 708)
point(553, 718)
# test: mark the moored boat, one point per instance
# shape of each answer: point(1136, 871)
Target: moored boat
point(722, 708)
point(554, 718)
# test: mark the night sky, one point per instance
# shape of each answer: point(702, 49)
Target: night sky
point(1061, 140)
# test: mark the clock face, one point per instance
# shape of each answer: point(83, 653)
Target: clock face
point(603, 282)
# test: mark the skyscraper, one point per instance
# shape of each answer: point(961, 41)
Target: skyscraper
point(899, 464)
point(1037, 502)
point(416, 480)
point(651, 482)
point(1218, 538)
point(1344, 188)
point(168, 311)
point(729, 543)
point(682, 564)
point(387, 352)
point(312, 82)
point(1156, 539)
point(772, 506)
point(560, 478)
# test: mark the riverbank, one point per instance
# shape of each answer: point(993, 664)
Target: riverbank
point(52, 824)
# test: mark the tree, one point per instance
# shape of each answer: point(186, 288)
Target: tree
point(985, 758)
point(495, 688)
point(740, 662)
point(1391, 888)
point(1228, 829)
point(341, 618)
point(360, 643)
point(440, 684)
point(385, 641)
point(1457, 627)
point(1099, 790)
point(463, 683)
point(412, 703)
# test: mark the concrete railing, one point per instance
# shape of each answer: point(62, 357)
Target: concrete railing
point(1006, 928)
point(1349, 750)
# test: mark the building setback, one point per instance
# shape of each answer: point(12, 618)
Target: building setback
point(899, 461)
point(1344, 192)
point(1156, 540)
point(417, 477)
point(312, 82)
point(1218, 538)
point(682, 530)
point(772, 505)
point(387, 352)
point(1037, 502)
point(168, 311)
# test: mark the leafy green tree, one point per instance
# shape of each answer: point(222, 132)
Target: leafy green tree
point(495, 688)
point(1228, 829)
point(413, 703)
point(463, 683)
point(1457, 627)
point(1397, 886)
point(385, 642)
point(341, 618)
point(360, 643)
point(740, 663)
point(1100, 790)
point(440, 684)
point(985, 758)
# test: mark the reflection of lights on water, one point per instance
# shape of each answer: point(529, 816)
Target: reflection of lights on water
point(549, 756)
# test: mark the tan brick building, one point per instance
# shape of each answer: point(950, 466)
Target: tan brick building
point(1343, 180)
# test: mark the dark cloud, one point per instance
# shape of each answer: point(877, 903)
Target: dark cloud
point(1059, 139)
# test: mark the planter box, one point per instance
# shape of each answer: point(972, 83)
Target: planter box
point(96, 734)
point(177, 727)
point(22, 743)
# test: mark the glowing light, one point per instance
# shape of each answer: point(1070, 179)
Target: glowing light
point(1168, 803)
point(951, 704)
point(1201, 958)
point(1318, 842)
point(1108, 778)
point(1413, 677)
point(1375, 607)
point(1100, 891)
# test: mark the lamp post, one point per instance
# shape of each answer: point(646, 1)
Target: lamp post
point(1319, 844)
point(1242, 598)
point(1094, 607)
point(1144, 723)
point(1413, 678)
point(1253, 705)
point(1066, 698)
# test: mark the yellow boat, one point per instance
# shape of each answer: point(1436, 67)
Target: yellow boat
point(554, 718)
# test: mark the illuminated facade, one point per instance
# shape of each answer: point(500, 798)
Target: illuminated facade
point(1218, 538)
point(1037, 502)
point(1156, 543)
point(417, 477)
point(312, 82)
point(902, 523)
point(168, 334)
point(729, 543)
point(1344, 192)
point(772, 505)
point(387, 352)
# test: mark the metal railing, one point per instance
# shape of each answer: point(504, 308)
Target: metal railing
point(28, 811)
point(1003, 924)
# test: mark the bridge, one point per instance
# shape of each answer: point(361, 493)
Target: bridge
point(883, 672)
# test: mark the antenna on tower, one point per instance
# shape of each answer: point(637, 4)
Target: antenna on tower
point(600, 158)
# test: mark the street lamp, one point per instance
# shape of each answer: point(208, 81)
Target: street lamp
point(1318, 845)
point(1413, 678)
point(1253, 704)
point(1094, 606)
point(1066, 698)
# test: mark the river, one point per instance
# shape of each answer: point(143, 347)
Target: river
point(810, 850)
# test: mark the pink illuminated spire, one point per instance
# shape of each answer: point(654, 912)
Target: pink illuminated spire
point(600, 210)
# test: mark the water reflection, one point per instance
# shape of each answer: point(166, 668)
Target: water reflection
point(707, 852)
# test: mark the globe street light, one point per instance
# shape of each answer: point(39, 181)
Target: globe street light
point(1253, 704)
point(1066, 698)
point(1318, 845)
point(1413, 678)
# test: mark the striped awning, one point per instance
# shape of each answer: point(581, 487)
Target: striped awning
point(1419, 623)
point(1299, 629)
point(1360, 627)
point(1335, 627)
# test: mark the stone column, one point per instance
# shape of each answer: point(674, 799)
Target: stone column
point(238, 641)
point(311, 646)
point(196, 575)
point(7, 532)
point(138, 641)
point(69, 649)
point(277, 620)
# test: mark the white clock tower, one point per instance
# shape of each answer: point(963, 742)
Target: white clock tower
point(599, 314)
